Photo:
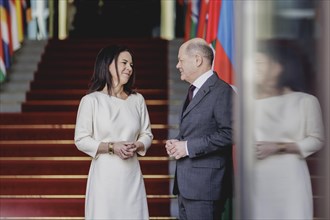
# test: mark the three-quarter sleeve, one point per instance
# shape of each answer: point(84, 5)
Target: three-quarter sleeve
point(145, 135)
point(314, 128)
point(84, 128)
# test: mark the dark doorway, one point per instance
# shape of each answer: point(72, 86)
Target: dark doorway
point(116, 18)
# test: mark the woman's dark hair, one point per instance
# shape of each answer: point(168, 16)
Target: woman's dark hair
point(102, 75)
point(289, 56)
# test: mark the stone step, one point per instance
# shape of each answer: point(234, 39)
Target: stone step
point(10, 97)
point(22, 76)
point(23, 67)
point(10, 107)
point(16, 86)
point(21, 73)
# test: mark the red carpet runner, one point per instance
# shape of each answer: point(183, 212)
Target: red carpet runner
point(42, 174)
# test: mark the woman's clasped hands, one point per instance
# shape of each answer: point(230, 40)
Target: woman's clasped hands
point(265, 149)
point(126, 149)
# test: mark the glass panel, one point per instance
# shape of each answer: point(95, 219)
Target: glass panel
point(282, 110)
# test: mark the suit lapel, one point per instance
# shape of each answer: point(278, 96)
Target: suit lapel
point(201, 93)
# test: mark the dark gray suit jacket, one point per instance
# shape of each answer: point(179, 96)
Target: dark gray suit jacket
point(207, 126)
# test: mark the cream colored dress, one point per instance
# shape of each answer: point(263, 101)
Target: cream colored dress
point(282, 182)
point(115, 187)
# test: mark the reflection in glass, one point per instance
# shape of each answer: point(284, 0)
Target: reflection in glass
point(288, 129)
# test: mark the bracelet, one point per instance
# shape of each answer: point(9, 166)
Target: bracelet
point(110, 147)
point(281, 147)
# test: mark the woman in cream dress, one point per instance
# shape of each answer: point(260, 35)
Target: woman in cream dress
point(112, 127)
point(289, 128)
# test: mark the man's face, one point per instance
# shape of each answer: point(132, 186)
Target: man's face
point(186, 65)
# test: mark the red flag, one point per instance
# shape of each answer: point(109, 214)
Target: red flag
point(213, 20)
point(201, 30)
point(187, 22)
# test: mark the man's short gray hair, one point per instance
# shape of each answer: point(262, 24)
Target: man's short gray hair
point(202, 48)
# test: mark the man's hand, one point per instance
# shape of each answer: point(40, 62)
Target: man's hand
point(175, 148)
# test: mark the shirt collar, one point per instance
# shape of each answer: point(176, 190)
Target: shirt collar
point(202, 79)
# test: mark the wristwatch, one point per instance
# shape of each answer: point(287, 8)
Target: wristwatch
point(110, 147)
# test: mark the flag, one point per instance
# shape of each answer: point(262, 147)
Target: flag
point(224, 46)
point(195, 5)
point(14, 24)
point(2, 59)
point(187, 28)
point(11, 33)
point(202, 21)
point(192, 18)
point(19, 13)
point(5, 32)
point(213, 20)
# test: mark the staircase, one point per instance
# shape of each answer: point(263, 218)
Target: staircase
point(42, 174)
point(25, 61)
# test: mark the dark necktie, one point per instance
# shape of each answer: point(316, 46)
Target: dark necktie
point(189, 96)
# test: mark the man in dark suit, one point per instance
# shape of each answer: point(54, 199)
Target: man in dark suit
point(204, 144)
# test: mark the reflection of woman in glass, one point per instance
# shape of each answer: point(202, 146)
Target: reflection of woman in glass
point(289, 128)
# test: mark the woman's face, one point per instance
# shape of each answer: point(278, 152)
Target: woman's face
point(125, 69)
point(267, 70)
